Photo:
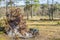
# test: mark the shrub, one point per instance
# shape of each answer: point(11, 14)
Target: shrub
point(58, 23)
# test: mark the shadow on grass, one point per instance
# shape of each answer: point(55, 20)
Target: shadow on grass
point(45, 25)
point(46, 20)
point(55, 39)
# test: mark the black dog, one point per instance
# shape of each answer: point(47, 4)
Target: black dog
point(35, 32)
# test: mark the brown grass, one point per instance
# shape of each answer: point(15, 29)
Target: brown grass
point(46, 32)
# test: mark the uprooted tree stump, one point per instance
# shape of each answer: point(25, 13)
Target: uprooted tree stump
point(15, 20)
point(16, 25)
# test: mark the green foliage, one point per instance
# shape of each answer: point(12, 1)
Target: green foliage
point(10, 3)
point(2, 22)
point(2, 0)
point(36, 5)
point(27, 2)
point(1, 32)
point(36, 0)
point(58, 23)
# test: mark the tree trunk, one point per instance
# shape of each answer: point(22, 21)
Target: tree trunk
point(52, 8)
point(48, 8)
point(52, 15)
point(31, 11)
point(11, 3)
point(27, 15)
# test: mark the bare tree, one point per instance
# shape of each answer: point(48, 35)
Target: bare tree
point(27, 8)
point(52, 8)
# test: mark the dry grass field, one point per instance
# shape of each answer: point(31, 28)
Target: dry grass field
point(49, 30)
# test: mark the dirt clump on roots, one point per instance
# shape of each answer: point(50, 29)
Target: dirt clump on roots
point(15, 19)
